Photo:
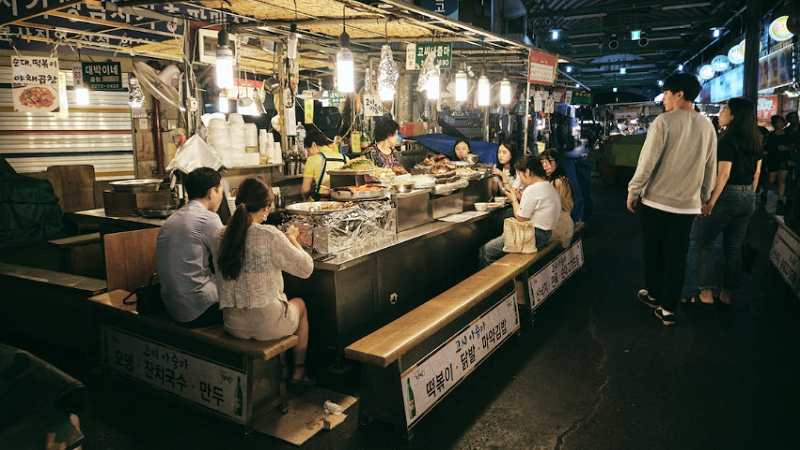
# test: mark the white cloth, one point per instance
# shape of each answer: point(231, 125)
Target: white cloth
point(260, 283)
point(274, 321)
point(541, 204)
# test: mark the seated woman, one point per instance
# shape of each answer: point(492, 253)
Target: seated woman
point(321, 157)
point(506, 160)
point(540, 204)
point(249, 262)
point(558, 178)
point(461, 149)
point(382, 152)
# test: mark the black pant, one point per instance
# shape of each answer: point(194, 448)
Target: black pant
point(666, 243)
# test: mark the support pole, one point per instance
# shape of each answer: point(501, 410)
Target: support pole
point(527, 113)
point(752, 25)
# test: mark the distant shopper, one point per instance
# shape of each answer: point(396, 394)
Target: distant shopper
point(322, 157)
point(779, 148)
point(461, 149)
point(732, 202)
point(183, 252)
point(674, 177)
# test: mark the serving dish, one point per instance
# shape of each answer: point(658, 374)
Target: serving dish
point(138, 185)
point(364, 192)
point(319, 208)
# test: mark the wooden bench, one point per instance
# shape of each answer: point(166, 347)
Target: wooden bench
point(410, 364)
point(48, 306)
point(240, 380)
point(78, 254)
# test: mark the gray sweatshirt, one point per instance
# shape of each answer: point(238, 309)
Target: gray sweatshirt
point(678, 164)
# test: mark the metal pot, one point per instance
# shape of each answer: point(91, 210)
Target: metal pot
point(471, 158)
point(139, 185)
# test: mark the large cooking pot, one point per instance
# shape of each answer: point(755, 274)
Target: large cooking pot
point(139, 185)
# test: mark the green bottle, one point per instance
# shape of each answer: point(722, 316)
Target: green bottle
point(412, 408)
point(237, 405)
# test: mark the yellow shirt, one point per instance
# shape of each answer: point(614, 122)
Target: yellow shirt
point(314, 165)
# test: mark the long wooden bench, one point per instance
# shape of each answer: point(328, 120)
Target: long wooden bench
point(410, 364)
point(47, 306)
point(238, 379)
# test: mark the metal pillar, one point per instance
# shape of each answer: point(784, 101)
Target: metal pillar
point(753, 28)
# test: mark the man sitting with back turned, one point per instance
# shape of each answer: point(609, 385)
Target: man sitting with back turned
point(183, 252)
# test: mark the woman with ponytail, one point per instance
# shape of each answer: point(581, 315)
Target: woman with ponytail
point(249, 262)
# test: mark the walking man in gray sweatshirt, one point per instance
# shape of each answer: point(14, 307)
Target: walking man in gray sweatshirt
point(674, 177)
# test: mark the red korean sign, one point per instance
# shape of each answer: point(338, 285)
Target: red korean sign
point(767, 107)
point(542, 68)
point(245, 88)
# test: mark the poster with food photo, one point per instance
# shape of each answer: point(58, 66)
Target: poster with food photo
point(35, 84)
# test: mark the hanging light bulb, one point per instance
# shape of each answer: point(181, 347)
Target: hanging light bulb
point(484, 88)
point(222, 105)
point(82, 95)
point(505, 90)
point(224, 61)
point(291, 42)
point(432, 86)
point(462, 86)
point(345, 78)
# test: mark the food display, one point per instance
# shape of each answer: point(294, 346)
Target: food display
point(469, 173)
point(37, 97)
point(361, 192)
point(315, 208)
point(360, 163)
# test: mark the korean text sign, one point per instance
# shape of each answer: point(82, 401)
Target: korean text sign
point(428, 381)
point(35, 84)
point(542, 68)
point(102, 76)
point(416, 54)
point(550, 277)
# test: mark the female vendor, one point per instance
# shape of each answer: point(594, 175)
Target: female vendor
point(321, 158)
point(382, 153)
point(249, 258)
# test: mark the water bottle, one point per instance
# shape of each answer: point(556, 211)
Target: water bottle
point(301, 137)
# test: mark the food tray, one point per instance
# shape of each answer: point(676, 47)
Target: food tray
point(313, 208)
point(350, 172)
point(346, 194)
point(138, 185)
point(471, 176)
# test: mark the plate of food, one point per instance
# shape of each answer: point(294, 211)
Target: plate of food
point(362, 192)
point(36, 99)
point(356, 166)
point(317, 208)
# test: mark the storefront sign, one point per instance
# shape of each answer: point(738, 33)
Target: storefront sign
point(334, 98)
point(775, 69)
point(542, 68)
point(728, 85)
point(785, 256)
point(550, 277)
point(432, 378)
point(416, 54)
point(735, 55)
point(14, 10)
point(582, 98)
point(373, 107)
point(244, 88)
point(767, 107)
point(778, 30)
point(35, 84)
point(102, 76)
point(443, 7)
point(204, 383)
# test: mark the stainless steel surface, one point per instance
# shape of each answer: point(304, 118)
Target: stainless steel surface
point(345, 194)
point(412, 209)
point(137, 185)
point(471, 158)
point(442, 206)
point(478, 191)
point(340, 178)
point(317, 208)
point(349, 172)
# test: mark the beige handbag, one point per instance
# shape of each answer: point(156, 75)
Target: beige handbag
point(519, 237)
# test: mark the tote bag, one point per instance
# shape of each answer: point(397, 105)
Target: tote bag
point(519, 237)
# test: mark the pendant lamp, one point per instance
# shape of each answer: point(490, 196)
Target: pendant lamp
point(505, 90)
point(224, 61)
point(345, 79)
point(484, 88)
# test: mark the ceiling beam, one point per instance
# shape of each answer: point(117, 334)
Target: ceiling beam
point(596, 11)
point(647, 26)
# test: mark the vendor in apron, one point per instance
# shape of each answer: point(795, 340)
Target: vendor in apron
point(321, 158)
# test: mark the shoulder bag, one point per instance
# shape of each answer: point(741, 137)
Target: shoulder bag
point(519, 237)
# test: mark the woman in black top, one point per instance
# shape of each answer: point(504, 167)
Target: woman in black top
point(732, 202)
point(779, 146)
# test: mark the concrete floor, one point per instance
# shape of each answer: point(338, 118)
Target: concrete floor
point(596, 370)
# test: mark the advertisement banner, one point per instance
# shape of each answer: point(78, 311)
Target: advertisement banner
point(775, 69)
point(542, 68)
point(767, 107)
point(35, 84)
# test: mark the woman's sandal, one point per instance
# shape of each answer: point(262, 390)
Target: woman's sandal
point(305, 381)
point(722, 306)
point(695, 302)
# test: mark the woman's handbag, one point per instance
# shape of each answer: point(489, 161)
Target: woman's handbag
point(519, 237)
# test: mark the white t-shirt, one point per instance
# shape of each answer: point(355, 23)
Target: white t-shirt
point(540, 203)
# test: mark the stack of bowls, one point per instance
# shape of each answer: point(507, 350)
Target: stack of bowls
point(217, 138)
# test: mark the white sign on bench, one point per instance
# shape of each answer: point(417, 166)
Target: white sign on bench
point(205, 383)
point(427, 382)
point(550, 277)
point(785, 256)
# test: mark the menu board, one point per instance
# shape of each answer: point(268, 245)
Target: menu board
point(35, 84)
point(542, 68)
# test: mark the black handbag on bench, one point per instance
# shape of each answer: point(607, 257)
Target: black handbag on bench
point(148, 298)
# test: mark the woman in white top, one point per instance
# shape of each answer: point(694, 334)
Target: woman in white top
point(540, 204)
point(505, 169)
point(249, 262)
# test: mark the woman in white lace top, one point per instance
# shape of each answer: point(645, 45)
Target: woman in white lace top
point(249, 260)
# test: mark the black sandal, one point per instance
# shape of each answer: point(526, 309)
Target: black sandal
point(720, 305)
point(695, 302)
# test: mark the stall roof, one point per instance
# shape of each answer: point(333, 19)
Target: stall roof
point(155, 29)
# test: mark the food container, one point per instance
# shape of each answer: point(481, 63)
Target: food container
point(402, 188)
point(348, 193)
point(156, 213)
point(493, 205)
point(319, 208)
point(501, 200)
point(471, 158)
point(139, 185)
point(445, 205)
point(481, 206)
point(413, 209)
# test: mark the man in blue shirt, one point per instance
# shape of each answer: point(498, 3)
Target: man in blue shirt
point(183, 252)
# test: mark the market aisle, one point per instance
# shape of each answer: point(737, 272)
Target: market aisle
point(596, 370)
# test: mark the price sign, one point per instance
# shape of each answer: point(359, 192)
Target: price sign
point(102, 76)
point(35, 84)
point(550, 277)
point(568, 98)
point(542, 68)
point(416, 54)
point(550, 105)
point(372, 106)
